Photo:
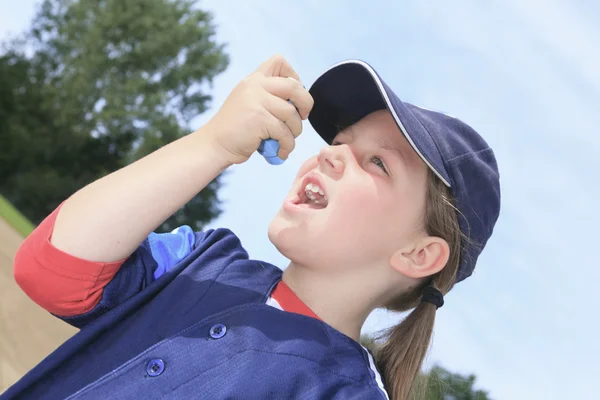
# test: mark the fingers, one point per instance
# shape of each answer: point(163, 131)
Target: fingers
point(284, 120)
point(286, 112)
point(278, 66)
point(290, 89)
point(278, 130)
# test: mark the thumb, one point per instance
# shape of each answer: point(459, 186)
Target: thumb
point(278, 66)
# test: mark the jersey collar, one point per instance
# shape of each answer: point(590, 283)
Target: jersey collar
point(288, 301)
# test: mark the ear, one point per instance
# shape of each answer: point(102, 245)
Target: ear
point(425, 258)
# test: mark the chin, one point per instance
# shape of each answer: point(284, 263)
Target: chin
point(296, 241)
point(285, 236)
point(293, 240)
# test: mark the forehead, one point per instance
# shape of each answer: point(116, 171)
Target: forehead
point(379, 128)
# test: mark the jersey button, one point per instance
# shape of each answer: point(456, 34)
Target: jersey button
point(217, 331)
point(155, 367)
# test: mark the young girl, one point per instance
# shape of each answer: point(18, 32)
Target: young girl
point(392, 213)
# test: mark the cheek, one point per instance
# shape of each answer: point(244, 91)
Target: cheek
point(363, 215)
point(363, 200)
point(375, 218)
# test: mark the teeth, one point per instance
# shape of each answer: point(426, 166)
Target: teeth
point(311, 190)
point(311, 187)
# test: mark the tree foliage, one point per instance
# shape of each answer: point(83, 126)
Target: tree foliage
point(445, 385)
point(106, 82)
point(437, 383)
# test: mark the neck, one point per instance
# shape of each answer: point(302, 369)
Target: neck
point(333, 298)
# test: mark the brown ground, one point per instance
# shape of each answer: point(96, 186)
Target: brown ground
point(27, 332)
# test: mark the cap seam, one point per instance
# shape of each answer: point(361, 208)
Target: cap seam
point(454, 159)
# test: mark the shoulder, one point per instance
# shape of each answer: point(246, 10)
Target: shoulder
point(220, 238)
point(219, 246)
point(182, 244)
point(367, 387)
point(184, 239)
point(218, 256)
point(343, 368)
point(355, 391)
point(356, 362)
point(338, 385)
point(315, 360)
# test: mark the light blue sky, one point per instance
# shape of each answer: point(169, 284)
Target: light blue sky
point(526, 75)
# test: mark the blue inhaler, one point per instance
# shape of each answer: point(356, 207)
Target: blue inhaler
point(270, 147)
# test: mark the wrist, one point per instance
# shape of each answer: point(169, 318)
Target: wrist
point(207, 140)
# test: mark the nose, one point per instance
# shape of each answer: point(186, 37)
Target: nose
point(331, 160)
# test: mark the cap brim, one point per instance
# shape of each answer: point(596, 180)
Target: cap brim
point(351, 90)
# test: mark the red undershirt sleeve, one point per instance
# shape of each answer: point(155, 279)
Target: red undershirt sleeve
point(59, 282)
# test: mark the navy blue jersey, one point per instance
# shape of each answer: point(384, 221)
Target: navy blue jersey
point(187, 316)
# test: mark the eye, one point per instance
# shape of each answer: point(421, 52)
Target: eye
point(377, 161)
point(335, 143)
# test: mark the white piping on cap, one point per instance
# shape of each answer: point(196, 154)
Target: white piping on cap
point(389, 104)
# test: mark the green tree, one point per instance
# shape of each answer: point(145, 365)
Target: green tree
point(445, 385)
point(108, 82)
point(436, 384)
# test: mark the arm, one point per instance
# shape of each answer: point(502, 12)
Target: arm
point(108, 219)
point(121, 209)
point(66, 263)
point(106, 227)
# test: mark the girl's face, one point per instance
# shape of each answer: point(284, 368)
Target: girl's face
point(356, 202)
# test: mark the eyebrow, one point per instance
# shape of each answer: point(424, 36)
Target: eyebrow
point(384, 144)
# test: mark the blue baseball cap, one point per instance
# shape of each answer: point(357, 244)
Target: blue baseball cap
point(454, 151)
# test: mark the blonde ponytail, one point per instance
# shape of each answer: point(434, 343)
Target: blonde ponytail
point(406, 344)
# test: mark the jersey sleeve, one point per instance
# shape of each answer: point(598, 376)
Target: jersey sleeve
point(78, 290)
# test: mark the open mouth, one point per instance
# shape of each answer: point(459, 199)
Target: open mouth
point(312, 195)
